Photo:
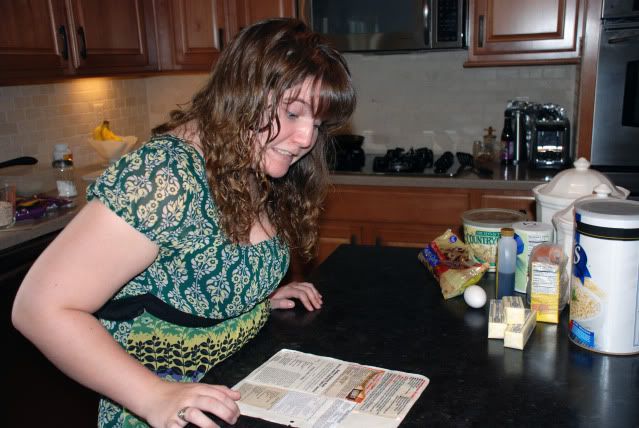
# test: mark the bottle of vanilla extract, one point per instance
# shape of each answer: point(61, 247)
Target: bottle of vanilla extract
point(506, 262)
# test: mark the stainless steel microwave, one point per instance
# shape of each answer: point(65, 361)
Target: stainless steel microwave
point(382, 25)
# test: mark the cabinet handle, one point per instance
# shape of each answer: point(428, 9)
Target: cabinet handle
point(353, 239)
point(480, 32)
point(65, 45)
point(83, 43)
point(220, 36)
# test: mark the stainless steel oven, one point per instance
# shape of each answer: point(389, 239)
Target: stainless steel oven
point(615, 142)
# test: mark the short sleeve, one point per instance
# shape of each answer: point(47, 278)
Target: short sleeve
point(153, 188)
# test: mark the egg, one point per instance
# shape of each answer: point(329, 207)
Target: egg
point(475, 296)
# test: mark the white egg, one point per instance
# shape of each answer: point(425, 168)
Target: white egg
point(475, 296)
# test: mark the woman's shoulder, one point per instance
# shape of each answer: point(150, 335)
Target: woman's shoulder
point(170, 148)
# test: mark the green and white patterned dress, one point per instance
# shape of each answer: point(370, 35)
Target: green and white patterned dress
point(161, 190)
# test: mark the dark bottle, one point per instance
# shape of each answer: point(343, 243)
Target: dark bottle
point(507, 152)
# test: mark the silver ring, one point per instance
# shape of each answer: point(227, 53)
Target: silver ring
point(181, 412)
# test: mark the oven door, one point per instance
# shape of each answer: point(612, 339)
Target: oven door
point(616, 116)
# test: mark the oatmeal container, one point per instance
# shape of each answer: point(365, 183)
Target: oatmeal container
point(482, 230)
point(604, 301)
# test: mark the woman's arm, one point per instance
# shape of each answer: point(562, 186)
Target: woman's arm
point(91, 259)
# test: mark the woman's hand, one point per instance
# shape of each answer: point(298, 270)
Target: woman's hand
point(180, 403)
point(305, 292)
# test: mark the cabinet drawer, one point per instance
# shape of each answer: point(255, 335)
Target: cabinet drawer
point(398, 205)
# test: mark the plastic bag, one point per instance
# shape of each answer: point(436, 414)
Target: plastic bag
point(452, 264)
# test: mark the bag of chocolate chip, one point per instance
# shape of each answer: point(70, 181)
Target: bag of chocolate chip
point(452, 264)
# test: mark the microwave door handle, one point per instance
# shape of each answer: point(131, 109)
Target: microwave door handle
point(624, 38)
point(426, 15)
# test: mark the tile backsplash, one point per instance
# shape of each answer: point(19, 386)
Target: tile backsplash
point(406, 100)
point(33, 118)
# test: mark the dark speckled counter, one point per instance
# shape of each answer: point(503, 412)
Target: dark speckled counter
point(383, 308)
point(511, 177)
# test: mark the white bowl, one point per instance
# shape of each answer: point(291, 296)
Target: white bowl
point(111, 150)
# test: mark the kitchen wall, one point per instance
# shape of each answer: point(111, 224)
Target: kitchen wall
point(404, 100)
point(430, 99)
point(33, 118)
point(421, 99)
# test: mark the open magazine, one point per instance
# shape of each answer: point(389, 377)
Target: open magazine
point(304, 390)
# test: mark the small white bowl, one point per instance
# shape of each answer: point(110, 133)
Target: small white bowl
point(111, 150)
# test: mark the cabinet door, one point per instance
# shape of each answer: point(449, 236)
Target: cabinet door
point(332, 235)
point(514, 200)
point(34, 39)
point(114, 36)
point(191, 33)
point(251, 11)
point(404, 235)
point(505, 32)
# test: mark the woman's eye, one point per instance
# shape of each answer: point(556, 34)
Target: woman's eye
point(291, 115)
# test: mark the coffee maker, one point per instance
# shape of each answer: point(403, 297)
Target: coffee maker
point(521, 115)
point(551, 138)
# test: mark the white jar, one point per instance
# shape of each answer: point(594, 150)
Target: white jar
point(569, 185)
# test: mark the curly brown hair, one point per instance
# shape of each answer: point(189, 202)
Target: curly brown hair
point(246, 86)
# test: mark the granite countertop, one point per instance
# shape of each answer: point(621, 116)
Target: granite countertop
point(383, 308)
point(56, 220)
point(511, 177)
point(504, 178)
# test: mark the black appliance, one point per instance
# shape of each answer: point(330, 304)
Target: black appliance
point(551, 138)
point(372, 25)
point(347, 153)
point(401, 160)
point(615, 130)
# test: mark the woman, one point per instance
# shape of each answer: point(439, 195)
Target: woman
point(175, 260)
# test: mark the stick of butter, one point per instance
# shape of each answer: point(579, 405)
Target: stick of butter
point(496, 319)
point(514, 309)
point(517, 335)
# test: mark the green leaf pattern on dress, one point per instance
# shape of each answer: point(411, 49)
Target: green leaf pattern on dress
point(161, 190)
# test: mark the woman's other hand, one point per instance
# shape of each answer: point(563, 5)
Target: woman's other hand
point(180, 403)
point(305, 292)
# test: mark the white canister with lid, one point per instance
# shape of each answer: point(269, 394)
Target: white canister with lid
point(564, 222)
point(604, 307)
point(569, 185)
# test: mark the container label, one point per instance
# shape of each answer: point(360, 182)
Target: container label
point(581, 335)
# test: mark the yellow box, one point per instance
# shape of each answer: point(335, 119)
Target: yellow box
point(544, 291)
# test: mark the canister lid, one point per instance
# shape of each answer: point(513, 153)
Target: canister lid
point(576, 182)
point(614, 217)
point(492, 217)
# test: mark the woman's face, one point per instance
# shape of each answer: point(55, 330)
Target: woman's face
point(298, 130)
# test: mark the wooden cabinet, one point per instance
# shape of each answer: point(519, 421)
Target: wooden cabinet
point(518, 200)
point(251, 11)
point(401, 216)
point(505, 32)
point(56, 38)
point(192, 33)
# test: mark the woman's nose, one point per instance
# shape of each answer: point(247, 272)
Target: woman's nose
point(305, 136)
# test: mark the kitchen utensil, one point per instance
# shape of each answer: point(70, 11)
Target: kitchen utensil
point(22, 160)
point(444, 162)
point(467, 162)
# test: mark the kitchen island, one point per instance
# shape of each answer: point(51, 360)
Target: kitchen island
point(383, 308)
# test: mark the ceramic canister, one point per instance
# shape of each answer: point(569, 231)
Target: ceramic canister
point(528, 234)
point(604, 301)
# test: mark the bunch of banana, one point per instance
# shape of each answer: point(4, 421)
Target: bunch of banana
point(103, 132)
